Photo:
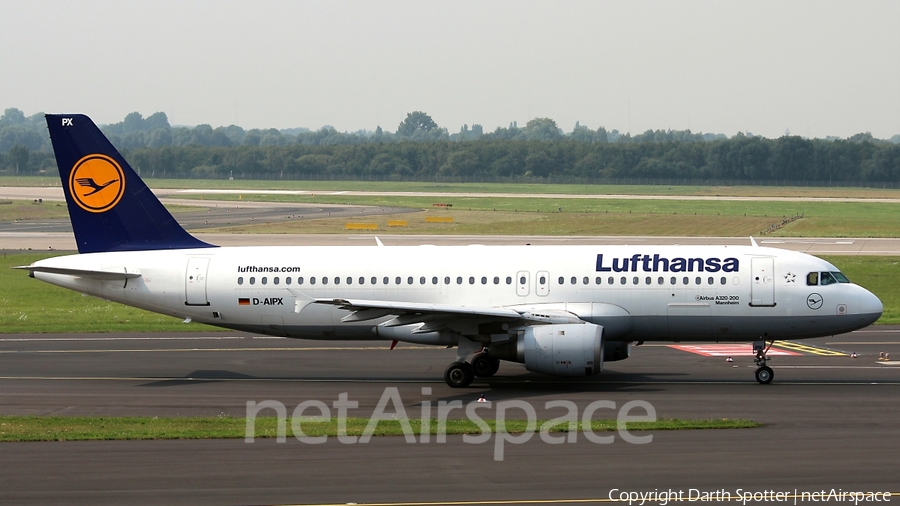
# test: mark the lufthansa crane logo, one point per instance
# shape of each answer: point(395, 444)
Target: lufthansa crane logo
point(96, 183)
point(814, 301)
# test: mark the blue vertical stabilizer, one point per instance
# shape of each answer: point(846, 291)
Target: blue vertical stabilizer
point(110, 206)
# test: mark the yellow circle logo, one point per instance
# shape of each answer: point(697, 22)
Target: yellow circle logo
point(96, 183)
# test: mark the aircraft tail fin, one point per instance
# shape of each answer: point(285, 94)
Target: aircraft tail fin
point(110, 206)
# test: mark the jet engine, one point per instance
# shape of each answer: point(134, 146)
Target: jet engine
point(562, 350)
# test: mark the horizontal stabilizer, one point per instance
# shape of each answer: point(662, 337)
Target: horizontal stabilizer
point(81, 273)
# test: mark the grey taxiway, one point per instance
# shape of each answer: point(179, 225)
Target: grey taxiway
point(830, 422)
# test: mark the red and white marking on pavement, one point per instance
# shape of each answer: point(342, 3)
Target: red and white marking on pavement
point(729, 350)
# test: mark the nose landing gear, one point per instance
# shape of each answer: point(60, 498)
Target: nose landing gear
point(764, 373)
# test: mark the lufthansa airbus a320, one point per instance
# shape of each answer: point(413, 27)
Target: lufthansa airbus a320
point(559, 310)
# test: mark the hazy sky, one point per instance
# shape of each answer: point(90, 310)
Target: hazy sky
point(816, 68)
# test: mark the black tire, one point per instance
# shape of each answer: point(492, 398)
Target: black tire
point(485, 366)
point(459, 375)
point(764, 375)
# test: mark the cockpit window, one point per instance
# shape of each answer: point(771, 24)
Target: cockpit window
point(840, 277)
point(828, 279)
point(812, 279)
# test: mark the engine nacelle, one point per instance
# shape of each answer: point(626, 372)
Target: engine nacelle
point(563, 350)
point(616, 350)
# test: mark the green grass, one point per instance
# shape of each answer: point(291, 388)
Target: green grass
point(38, 428)
point(31, 306)
point(623, 216)
point(583, 189)
point(27, 210)
point(522, 223)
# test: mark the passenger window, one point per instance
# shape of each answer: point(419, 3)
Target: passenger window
point(324, 280)
point(710, 280)
point(275, 280)
point(722, 281)
point(459, 280)
point(660, 281)
point(287, 280)
point(421, 280)
point(508, 280)
point(598, 280)
point(634, 280)
point(350, 280)
point(573, 280)
point(337, 280)
point(409, 280)
point(386, 280)
point(446, 280)
point(610, 280)
point(496, 280)
point(812, 279)
point(685, 280)
point(483, 280)
point(542, 281)
point(647, 280)
point(622, 280)
point(300, 280)
point(362, 280)
point(397, 280)
point(697, 280)
point(828, 279)
point(434, 280)
point(264, 280)
point(241, 280)
point(252, 280)
point(585, 280)
point(312, 280)
point(522, 280)
point(562, 280)
point(471, 280)
point(672, 280)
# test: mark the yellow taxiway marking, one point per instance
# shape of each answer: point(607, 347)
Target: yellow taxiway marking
point(806, 348)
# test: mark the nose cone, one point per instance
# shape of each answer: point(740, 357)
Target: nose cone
point(870, 306)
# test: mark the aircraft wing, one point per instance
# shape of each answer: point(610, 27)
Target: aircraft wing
point(372, 309)
point(81, 273)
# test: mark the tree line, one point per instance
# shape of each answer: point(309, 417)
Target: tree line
point(421, 148)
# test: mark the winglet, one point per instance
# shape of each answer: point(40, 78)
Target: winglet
point(110, 206)
point(753, 242)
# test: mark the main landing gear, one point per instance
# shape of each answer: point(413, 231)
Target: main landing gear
point(764, 373)
point(461, 373)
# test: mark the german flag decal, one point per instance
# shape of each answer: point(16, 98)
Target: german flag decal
point(243, 301)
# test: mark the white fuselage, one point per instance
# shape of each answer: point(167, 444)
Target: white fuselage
point(637, 293)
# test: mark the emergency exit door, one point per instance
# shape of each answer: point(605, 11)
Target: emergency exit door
point(195, 282)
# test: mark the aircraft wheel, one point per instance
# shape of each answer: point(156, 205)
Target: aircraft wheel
point(485, 366)
point(764, 375)
point(459, 374)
